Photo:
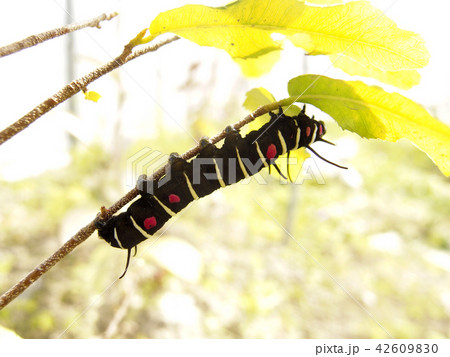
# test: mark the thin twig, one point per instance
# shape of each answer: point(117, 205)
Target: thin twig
point(76, 86)
point(37, 272)
point(87, 231)
point(48, 35)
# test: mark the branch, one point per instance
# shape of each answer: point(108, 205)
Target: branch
point(76, 86)
point(48, 35)
point(37, 272)
point(85, 232)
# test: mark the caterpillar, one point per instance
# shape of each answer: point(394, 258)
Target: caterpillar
point(213, 168)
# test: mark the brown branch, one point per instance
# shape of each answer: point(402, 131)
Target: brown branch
point(37, 272)
point(76, 86)
point(48, 35)
point(83, 234)
point(87, 231)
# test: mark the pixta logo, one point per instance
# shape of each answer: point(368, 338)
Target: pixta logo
point(145, 162)
point(224, 170)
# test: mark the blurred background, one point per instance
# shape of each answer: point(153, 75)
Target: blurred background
point(362, 254)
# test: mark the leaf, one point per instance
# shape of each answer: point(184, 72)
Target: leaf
point(324, 2)
point(373, 113)
point(255, 67)
point(258, 97)
point(404, 79)
point(244, 29)
point(91, 95)
point(255, 98)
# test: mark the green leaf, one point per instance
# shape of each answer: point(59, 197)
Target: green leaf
point(373, 113)
point(244, 29)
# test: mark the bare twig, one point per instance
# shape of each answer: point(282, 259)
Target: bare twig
point(86, 231)
point(83, 234)
point(77, 86)
point(37, 272)
point(48, 35)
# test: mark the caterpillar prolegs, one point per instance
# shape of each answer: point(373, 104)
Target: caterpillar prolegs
point(213, 168)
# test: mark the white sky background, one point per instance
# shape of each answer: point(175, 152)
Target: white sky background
point(151, 83)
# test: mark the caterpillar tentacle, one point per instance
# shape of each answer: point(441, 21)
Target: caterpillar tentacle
point(213, 168)
point(287, 167)
point(279, 171)
point(128, 262)
point(322, 158)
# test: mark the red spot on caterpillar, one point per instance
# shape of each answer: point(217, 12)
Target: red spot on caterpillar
point(320, 130)
point(308, 131)
point(271, 151)
point(174, 198)
point(149, 222)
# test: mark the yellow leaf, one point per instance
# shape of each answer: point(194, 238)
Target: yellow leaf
point(258, 97)
point(244, 29)
point(404, 79)
point(325, 2)
point(255, 67)
point(373, 113)
point(91, 95)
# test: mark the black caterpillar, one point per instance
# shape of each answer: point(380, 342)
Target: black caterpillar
point(210, 170)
